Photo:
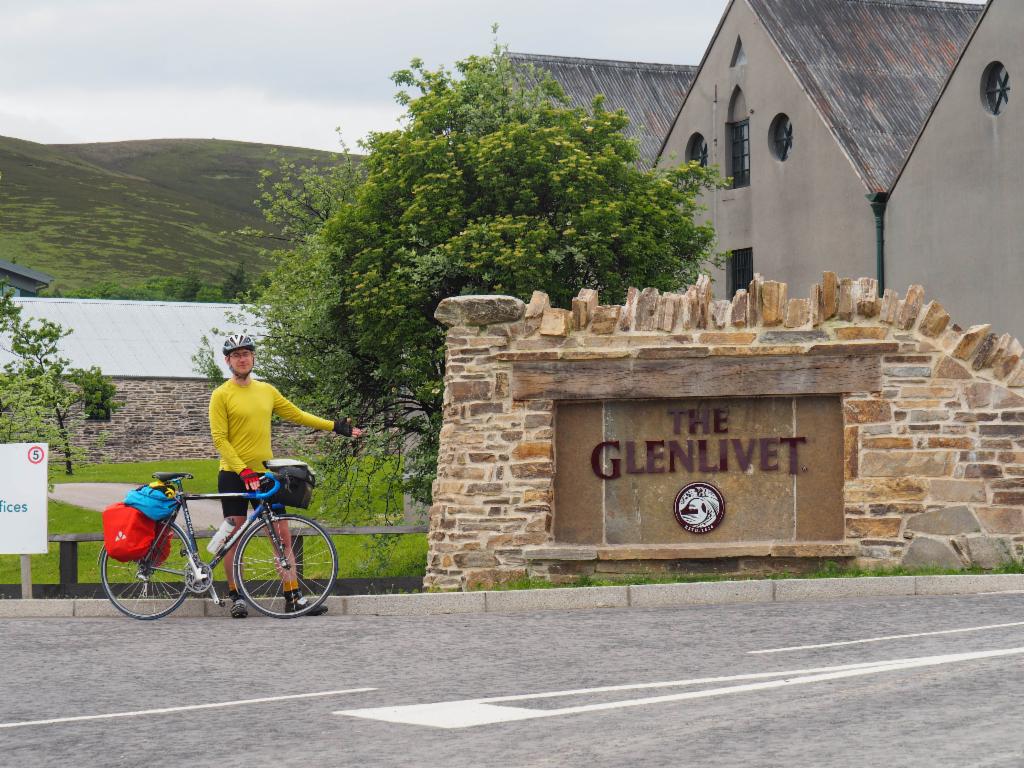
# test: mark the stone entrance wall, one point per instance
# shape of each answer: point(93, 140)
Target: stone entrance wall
point(932, 422)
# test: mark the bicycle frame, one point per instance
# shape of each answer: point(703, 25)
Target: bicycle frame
point(195, 559)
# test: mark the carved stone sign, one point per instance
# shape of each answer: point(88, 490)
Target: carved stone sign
point(620, 465)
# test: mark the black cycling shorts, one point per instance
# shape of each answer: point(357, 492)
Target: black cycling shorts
point(230, 482)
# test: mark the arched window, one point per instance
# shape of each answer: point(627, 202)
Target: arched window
point(739, 138)
point(697, 150)
point(995, 88)
point(738, 106)
point(780, 137)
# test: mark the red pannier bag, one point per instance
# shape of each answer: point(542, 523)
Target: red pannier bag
point(127, 533)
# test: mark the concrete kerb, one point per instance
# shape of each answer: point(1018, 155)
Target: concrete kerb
point(37, 609)
point(419, 604)
point(104, 609)
point(787, 590)
point(700, 593)
point(964, 585)
point(573, 598)
point(556, 599)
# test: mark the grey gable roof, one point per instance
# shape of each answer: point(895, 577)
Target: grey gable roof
point(31, 274)
point(873, 68)
point(649, 93)
point(938, 99)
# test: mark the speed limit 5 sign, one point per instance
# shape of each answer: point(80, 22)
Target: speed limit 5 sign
point(23, 511)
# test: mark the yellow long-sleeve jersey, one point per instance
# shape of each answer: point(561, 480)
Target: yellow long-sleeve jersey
point(240, 422)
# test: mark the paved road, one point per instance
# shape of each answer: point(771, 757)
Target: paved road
point(950, 699)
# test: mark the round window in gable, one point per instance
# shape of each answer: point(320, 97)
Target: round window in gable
point(780, 137)
point(995, 88)
point(697, 150)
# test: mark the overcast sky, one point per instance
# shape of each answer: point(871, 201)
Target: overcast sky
point(286, 72)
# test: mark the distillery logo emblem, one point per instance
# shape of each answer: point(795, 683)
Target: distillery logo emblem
point(699, 507)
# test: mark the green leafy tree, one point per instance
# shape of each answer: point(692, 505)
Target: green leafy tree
point(44, 381)
point(23, 416)
point(98, 393)
point(493, 185)
point(237, 283)
point(297, 199)
point(190, 285)
point(204, 363)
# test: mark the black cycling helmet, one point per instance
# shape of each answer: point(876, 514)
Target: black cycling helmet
point(238, 341)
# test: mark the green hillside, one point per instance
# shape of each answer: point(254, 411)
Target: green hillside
point(125, 211)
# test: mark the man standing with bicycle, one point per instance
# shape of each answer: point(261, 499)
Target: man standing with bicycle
point(240, 411)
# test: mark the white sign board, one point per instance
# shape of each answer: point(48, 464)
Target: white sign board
point(23, 483)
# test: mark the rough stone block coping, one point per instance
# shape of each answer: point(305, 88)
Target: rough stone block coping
point(572, 598)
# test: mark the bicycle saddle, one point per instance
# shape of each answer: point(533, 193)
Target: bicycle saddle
point(167, 476)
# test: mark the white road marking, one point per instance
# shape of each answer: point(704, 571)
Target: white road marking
point(890, 637)
point(472, 712)
point(166, 710)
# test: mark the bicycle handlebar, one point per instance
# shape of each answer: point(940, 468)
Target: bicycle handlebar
point(253, 495)
point(267, 494)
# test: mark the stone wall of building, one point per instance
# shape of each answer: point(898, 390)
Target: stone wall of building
point(160, 419)
point(933, 421)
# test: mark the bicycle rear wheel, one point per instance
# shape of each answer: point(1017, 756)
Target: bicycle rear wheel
point(259, 571)
point(152, 587)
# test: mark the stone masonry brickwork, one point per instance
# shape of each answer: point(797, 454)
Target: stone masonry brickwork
point(934, 457)
point(159, 420)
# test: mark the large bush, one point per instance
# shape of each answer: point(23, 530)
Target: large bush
point(492, 185)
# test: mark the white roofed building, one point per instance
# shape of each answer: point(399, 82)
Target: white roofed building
point(146, 348)
point(135, 339)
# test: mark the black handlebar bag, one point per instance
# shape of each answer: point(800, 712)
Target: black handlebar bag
point(297, 484)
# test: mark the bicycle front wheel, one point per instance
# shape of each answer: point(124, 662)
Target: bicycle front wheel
point(298, 549)
point(152, 587)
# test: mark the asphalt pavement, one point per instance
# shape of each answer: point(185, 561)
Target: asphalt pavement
point(894, 681)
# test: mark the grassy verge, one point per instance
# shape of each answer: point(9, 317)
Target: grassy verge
point(830, 570)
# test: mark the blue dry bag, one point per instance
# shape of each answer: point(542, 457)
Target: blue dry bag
point(156, 501)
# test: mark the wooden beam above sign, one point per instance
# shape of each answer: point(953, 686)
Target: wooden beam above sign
point(696, 377)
